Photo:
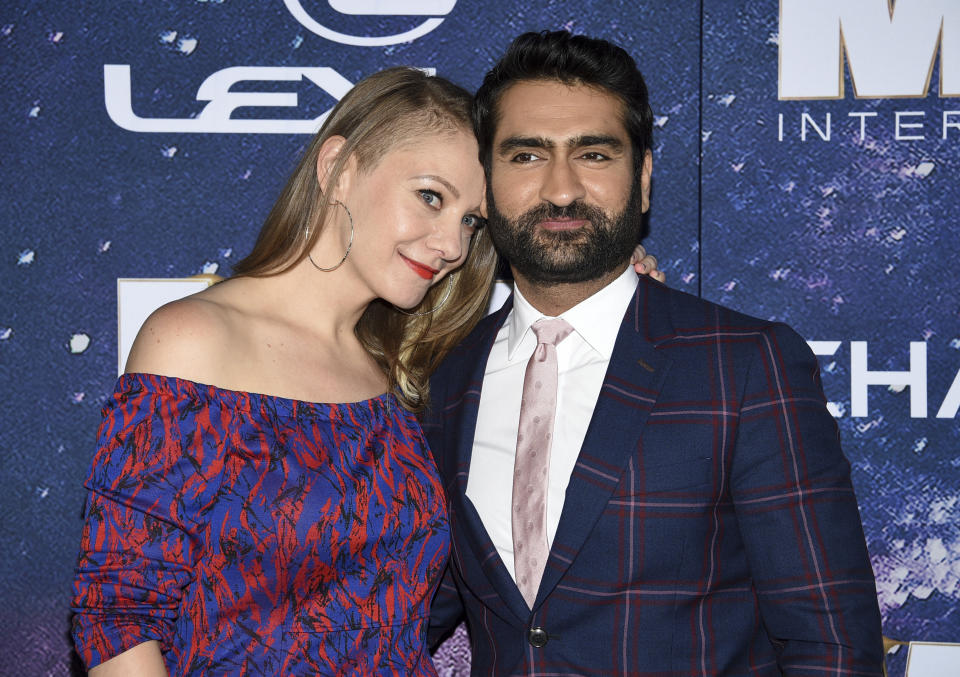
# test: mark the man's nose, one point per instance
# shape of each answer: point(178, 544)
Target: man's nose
point(561, 185)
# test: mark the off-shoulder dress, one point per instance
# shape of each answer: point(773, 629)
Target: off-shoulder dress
point(253, 534)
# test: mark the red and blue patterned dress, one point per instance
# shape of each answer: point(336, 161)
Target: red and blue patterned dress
point(252, 534)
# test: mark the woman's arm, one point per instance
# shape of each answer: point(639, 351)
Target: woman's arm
point(137, 556)
point(143, 660)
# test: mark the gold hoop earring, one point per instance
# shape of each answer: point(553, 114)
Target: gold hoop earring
point(349, 244)
point(446, 297)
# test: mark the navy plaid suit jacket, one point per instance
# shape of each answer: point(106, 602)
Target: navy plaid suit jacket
point(709, 527)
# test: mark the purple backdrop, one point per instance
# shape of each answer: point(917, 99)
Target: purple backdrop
point(850, 239)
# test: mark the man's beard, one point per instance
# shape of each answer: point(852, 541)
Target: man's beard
point(557, 257)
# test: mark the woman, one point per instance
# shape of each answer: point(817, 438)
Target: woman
point(303, 531)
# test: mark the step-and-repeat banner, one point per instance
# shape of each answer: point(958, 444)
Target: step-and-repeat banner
point(806, 169)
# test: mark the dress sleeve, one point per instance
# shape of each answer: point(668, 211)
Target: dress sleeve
point(139, 542)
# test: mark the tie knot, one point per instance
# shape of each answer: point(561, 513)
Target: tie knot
point(551, 331)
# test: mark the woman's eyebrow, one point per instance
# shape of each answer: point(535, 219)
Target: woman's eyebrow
point(439, 179)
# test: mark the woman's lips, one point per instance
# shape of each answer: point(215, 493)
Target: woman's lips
point(426, 272)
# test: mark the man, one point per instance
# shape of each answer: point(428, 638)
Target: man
point(652, 486)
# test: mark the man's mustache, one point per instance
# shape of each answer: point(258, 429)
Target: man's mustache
point(548, 211)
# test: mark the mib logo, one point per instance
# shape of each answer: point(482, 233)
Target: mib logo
point(890, 48)
point(432, 8)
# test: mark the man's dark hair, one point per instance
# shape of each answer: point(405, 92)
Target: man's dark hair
point(574, 60)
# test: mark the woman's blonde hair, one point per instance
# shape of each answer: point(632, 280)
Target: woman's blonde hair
point(381, 111)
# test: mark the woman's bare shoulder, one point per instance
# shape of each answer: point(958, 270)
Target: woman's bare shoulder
point(186, 338)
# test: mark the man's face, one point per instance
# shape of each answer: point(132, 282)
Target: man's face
point(565, 201)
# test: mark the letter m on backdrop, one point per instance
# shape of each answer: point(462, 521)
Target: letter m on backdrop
point(890, 48)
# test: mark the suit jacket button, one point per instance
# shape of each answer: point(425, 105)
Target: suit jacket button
point(537, 638)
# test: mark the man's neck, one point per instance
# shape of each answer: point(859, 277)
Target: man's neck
point(553, 299)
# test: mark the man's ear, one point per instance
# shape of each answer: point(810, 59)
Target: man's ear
point(645, 172)
point(327, 158)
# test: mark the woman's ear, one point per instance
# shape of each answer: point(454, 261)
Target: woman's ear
point(327, 157)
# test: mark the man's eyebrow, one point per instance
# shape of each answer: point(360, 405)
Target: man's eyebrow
point(514, 142)
point(439, 179)
point(596, 140)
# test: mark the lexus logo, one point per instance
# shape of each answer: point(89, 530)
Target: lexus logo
point(435, 9)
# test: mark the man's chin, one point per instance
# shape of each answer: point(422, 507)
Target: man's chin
point(562, 271)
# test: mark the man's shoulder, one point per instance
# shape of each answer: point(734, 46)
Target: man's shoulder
point(670, 316)
point(475, 347)
point(484, 332)
point(672, 311)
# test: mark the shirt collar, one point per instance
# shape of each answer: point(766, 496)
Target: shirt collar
point(596, 319)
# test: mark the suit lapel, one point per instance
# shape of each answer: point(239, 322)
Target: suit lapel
point(634, 377)
point(469, 532)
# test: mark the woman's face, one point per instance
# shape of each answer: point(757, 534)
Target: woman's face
point(414, 213)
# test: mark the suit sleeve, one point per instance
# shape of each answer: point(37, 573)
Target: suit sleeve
point(447, 611)
point(799, 519)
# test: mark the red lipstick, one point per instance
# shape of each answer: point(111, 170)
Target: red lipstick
point(426, 272)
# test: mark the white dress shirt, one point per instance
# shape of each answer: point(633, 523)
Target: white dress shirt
point(582, 360)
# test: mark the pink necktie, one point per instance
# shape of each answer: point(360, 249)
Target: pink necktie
point(531, 465)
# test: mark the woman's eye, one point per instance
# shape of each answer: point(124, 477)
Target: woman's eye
point(431, 197)
point(473, 222)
